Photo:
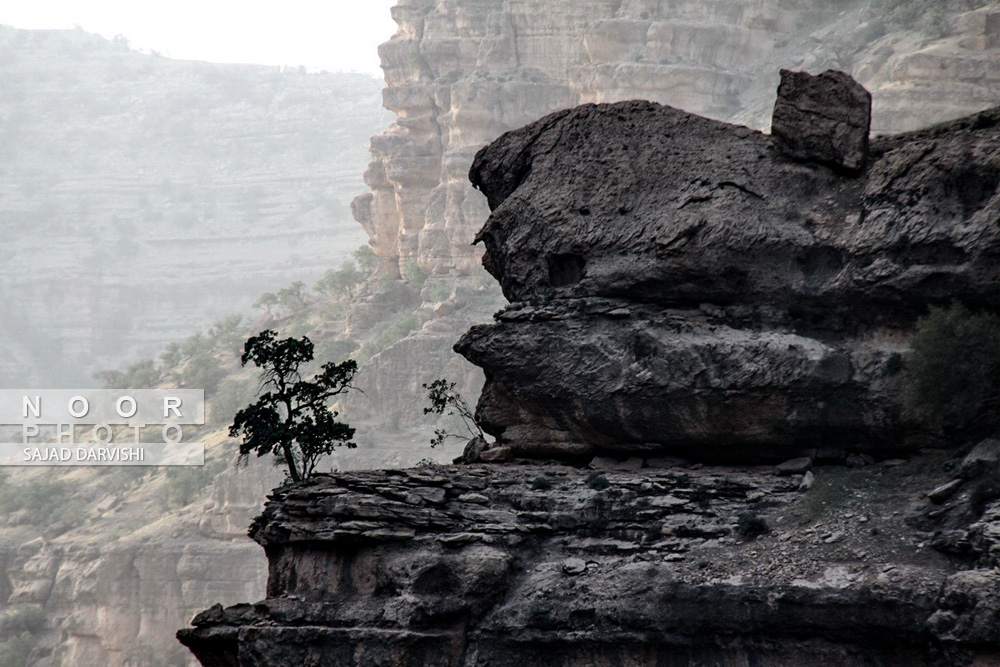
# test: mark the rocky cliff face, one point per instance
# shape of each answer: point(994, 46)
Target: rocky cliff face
point(459, 74)
point(131, 181)
point(682, 284)
point(545, 565)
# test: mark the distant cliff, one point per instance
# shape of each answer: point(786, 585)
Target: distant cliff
point(459, 74)
point(143, 197)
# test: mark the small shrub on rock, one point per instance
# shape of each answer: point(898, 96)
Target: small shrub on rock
point(541, 484)
point(598, 482)
point(956, 367)
point(750, 525)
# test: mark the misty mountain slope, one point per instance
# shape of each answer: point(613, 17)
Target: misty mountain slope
point(142, 197)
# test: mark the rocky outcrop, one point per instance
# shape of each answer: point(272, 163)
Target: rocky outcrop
point(682, 284)
point(548, 565)
point(459, 74)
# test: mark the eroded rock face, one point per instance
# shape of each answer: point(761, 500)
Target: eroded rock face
point(681, 284)
point(524, 565)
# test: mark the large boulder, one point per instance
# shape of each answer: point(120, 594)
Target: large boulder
point(681, 284)
point(824, 118)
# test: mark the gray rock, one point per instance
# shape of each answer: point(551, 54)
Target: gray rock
point(807, 482)
point(795, 466)
point(640, 206)
point(530, 574)
point(945, 491)
point(606, 463)
point(859, 460)
point(574, 566)
point(824, 118)
point(983, 457)
point(473, 450)
point(496, 455)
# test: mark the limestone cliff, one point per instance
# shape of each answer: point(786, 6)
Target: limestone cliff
point(459, 74)
point(680, 286)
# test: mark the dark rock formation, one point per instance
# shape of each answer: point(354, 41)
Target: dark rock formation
point(529, 566)
point(824, 118)
point(680, 284)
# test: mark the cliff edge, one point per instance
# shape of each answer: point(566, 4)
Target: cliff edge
point(679, 286)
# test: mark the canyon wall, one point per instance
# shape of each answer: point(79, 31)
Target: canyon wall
point(143, 198)
point(459, 74)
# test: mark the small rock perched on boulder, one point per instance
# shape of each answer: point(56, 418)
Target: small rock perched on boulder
point(824, 118)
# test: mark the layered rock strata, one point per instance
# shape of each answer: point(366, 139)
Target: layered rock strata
point(458, 74)
point(683, 284)
point(530, 565)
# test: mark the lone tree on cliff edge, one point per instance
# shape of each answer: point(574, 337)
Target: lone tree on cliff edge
point(292, 418)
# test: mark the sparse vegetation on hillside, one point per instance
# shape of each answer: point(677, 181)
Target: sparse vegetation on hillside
point(42, 502)
point(447, 402)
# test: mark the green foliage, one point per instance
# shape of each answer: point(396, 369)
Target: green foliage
point(227, 333)
point(292, 418)
point(292, 297)
point(541, 484)
point(444, 400)
point(16, 651)
point(389, 332)
point(366, 259)
point(142, 374)
point(597, 481)
point(342, 282)
point(185, 484)
point(266, 302)
point(229, 397)
point(415, 275)
point(439, 292)
point(336, 348)
point(202, 371)
point(23, 618)
point(750, 525)
point(43, 501)
point(956, 366)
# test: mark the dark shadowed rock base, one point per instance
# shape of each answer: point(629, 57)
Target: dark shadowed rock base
point(525, 565)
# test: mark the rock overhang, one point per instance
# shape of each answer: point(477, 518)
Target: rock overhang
point(693, 285)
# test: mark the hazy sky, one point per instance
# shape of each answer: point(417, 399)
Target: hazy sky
point(320, 34)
